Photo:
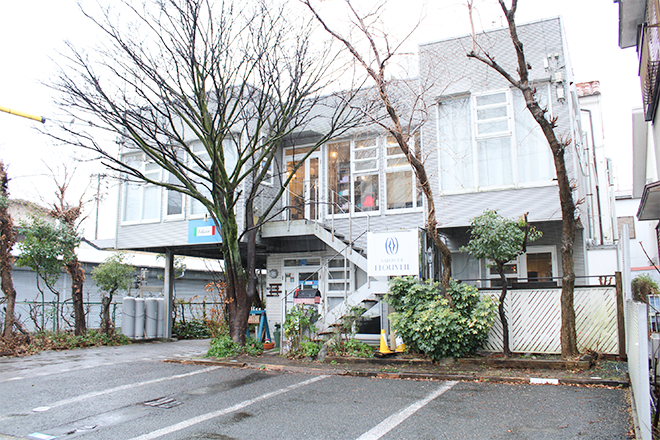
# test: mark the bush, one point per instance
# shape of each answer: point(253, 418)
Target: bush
point(253, 347)
point(191, 329)
point(299, 324)
point(223, 346)
point(643, 286)
point(352, 347)
point(66, 341)
point(426, 323)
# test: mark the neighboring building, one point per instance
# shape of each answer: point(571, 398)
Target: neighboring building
point(482, 150)
point(189, 286)
point(638, 27)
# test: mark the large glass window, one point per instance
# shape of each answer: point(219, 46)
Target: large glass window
point(455, 139)
point(142, 201)
point(339, 177)
point(401, 191)
point(365, 175)
point(491, 141)
point(196, 207)
point(230, 161)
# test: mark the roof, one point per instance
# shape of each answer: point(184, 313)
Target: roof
point(589, 88)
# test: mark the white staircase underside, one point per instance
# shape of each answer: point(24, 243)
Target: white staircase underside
point(309, 227)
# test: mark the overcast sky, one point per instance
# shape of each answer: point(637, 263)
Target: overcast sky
point(32, 33)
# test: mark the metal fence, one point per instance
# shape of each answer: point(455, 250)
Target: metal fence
point(35, 315)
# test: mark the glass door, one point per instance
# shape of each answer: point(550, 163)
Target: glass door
point(303, 191)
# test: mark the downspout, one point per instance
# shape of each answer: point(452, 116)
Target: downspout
point(593, 152)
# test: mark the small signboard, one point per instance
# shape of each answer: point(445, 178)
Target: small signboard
point(393, 253)
point(203, 231)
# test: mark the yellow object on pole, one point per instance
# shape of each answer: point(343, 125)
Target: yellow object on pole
point(23, 114)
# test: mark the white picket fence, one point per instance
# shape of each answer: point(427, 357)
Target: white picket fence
point(534, 318)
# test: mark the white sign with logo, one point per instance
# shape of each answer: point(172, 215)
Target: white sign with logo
point(393, 253)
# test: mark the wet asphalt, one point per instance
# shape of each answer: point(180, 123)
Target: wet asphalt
point(130, 392)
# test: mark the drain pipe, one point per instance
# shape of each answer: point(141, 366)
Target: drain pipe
point(593, 152)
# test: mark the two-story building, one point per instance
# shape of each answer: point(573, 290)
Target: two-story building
point(481, 148)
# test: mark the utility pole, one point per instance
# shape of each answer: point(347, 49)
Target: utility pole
point(22, 114)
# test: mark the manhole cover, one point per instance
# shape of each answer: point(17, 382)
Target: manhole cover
point(163, 402)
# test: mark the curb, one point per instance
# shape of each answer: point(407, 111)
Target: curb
point(406, 376)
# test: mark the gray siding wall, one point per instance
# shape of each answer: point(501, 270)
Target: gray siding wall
point(450, 72)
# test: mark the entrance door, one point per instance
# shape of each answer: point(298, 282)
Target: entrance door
point(303, 191)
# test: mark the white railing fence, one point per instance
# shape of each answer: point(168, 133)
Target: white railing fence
point(534, 317)
point(638, 364)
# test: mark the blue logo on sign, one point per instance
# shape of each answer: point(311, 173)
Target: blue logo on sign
point(391, 245)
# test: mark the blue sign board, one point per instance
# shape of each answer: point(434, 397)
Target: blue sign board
point(203, 231)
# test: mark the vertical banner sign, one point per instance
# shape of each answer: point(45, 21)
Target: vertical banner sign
point(200, 231)
point(393, 253)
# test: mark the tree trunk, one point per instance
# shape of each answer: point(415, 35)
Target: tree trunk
point(506, 351)
point(568, 334)
point(239, 300)
point(75, 270)
point(106, 301)
point(7, 240)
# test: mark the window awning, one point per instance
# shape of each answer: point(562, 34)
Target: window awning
point(649, 206)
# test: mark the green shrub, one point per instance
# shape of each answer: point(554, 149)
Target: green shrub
point(191, 329)
point(426, 323)
point(299, 323)
point(66, 341)
point(354, 347)
point(223, 346)
point(253, 347)
point(309, 349)
point(643, 286)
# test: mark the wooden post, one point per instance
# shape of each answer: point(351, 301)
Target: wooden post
point(620, 319)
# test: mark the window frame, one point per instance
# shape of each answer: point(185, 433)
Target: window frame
point(478, 115)
point(356, 173)
point(417, 196)
point(142, 187)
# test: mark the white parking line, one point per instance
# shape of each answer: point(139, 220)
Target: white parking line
point(204, 417)
point(395, 419)
point(126, 387)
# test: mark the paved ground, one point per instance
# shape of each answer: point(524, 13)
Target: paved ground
point(129, 392)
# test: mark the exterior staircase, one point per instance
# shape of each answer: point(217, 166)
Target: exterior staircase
point(364, 294)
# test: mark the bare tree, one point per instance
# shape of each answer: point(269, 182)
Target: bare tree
point(207, 93)
point(402, 127)
point(7, 241)
point(70, 216)
point(558, 147)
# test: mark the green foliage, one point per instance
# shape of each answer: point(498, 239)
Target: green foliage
point(253, 347)
point(310, 349)
point(498, 238)
point(642, 286)
point(47, 248)
point(66, 341)
point(179, 266)
point(223, 346)
point(191, 329)
point(114, 274)
point(299, 320)
point(426, 323)
point(348, 324)
point(353, 348)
